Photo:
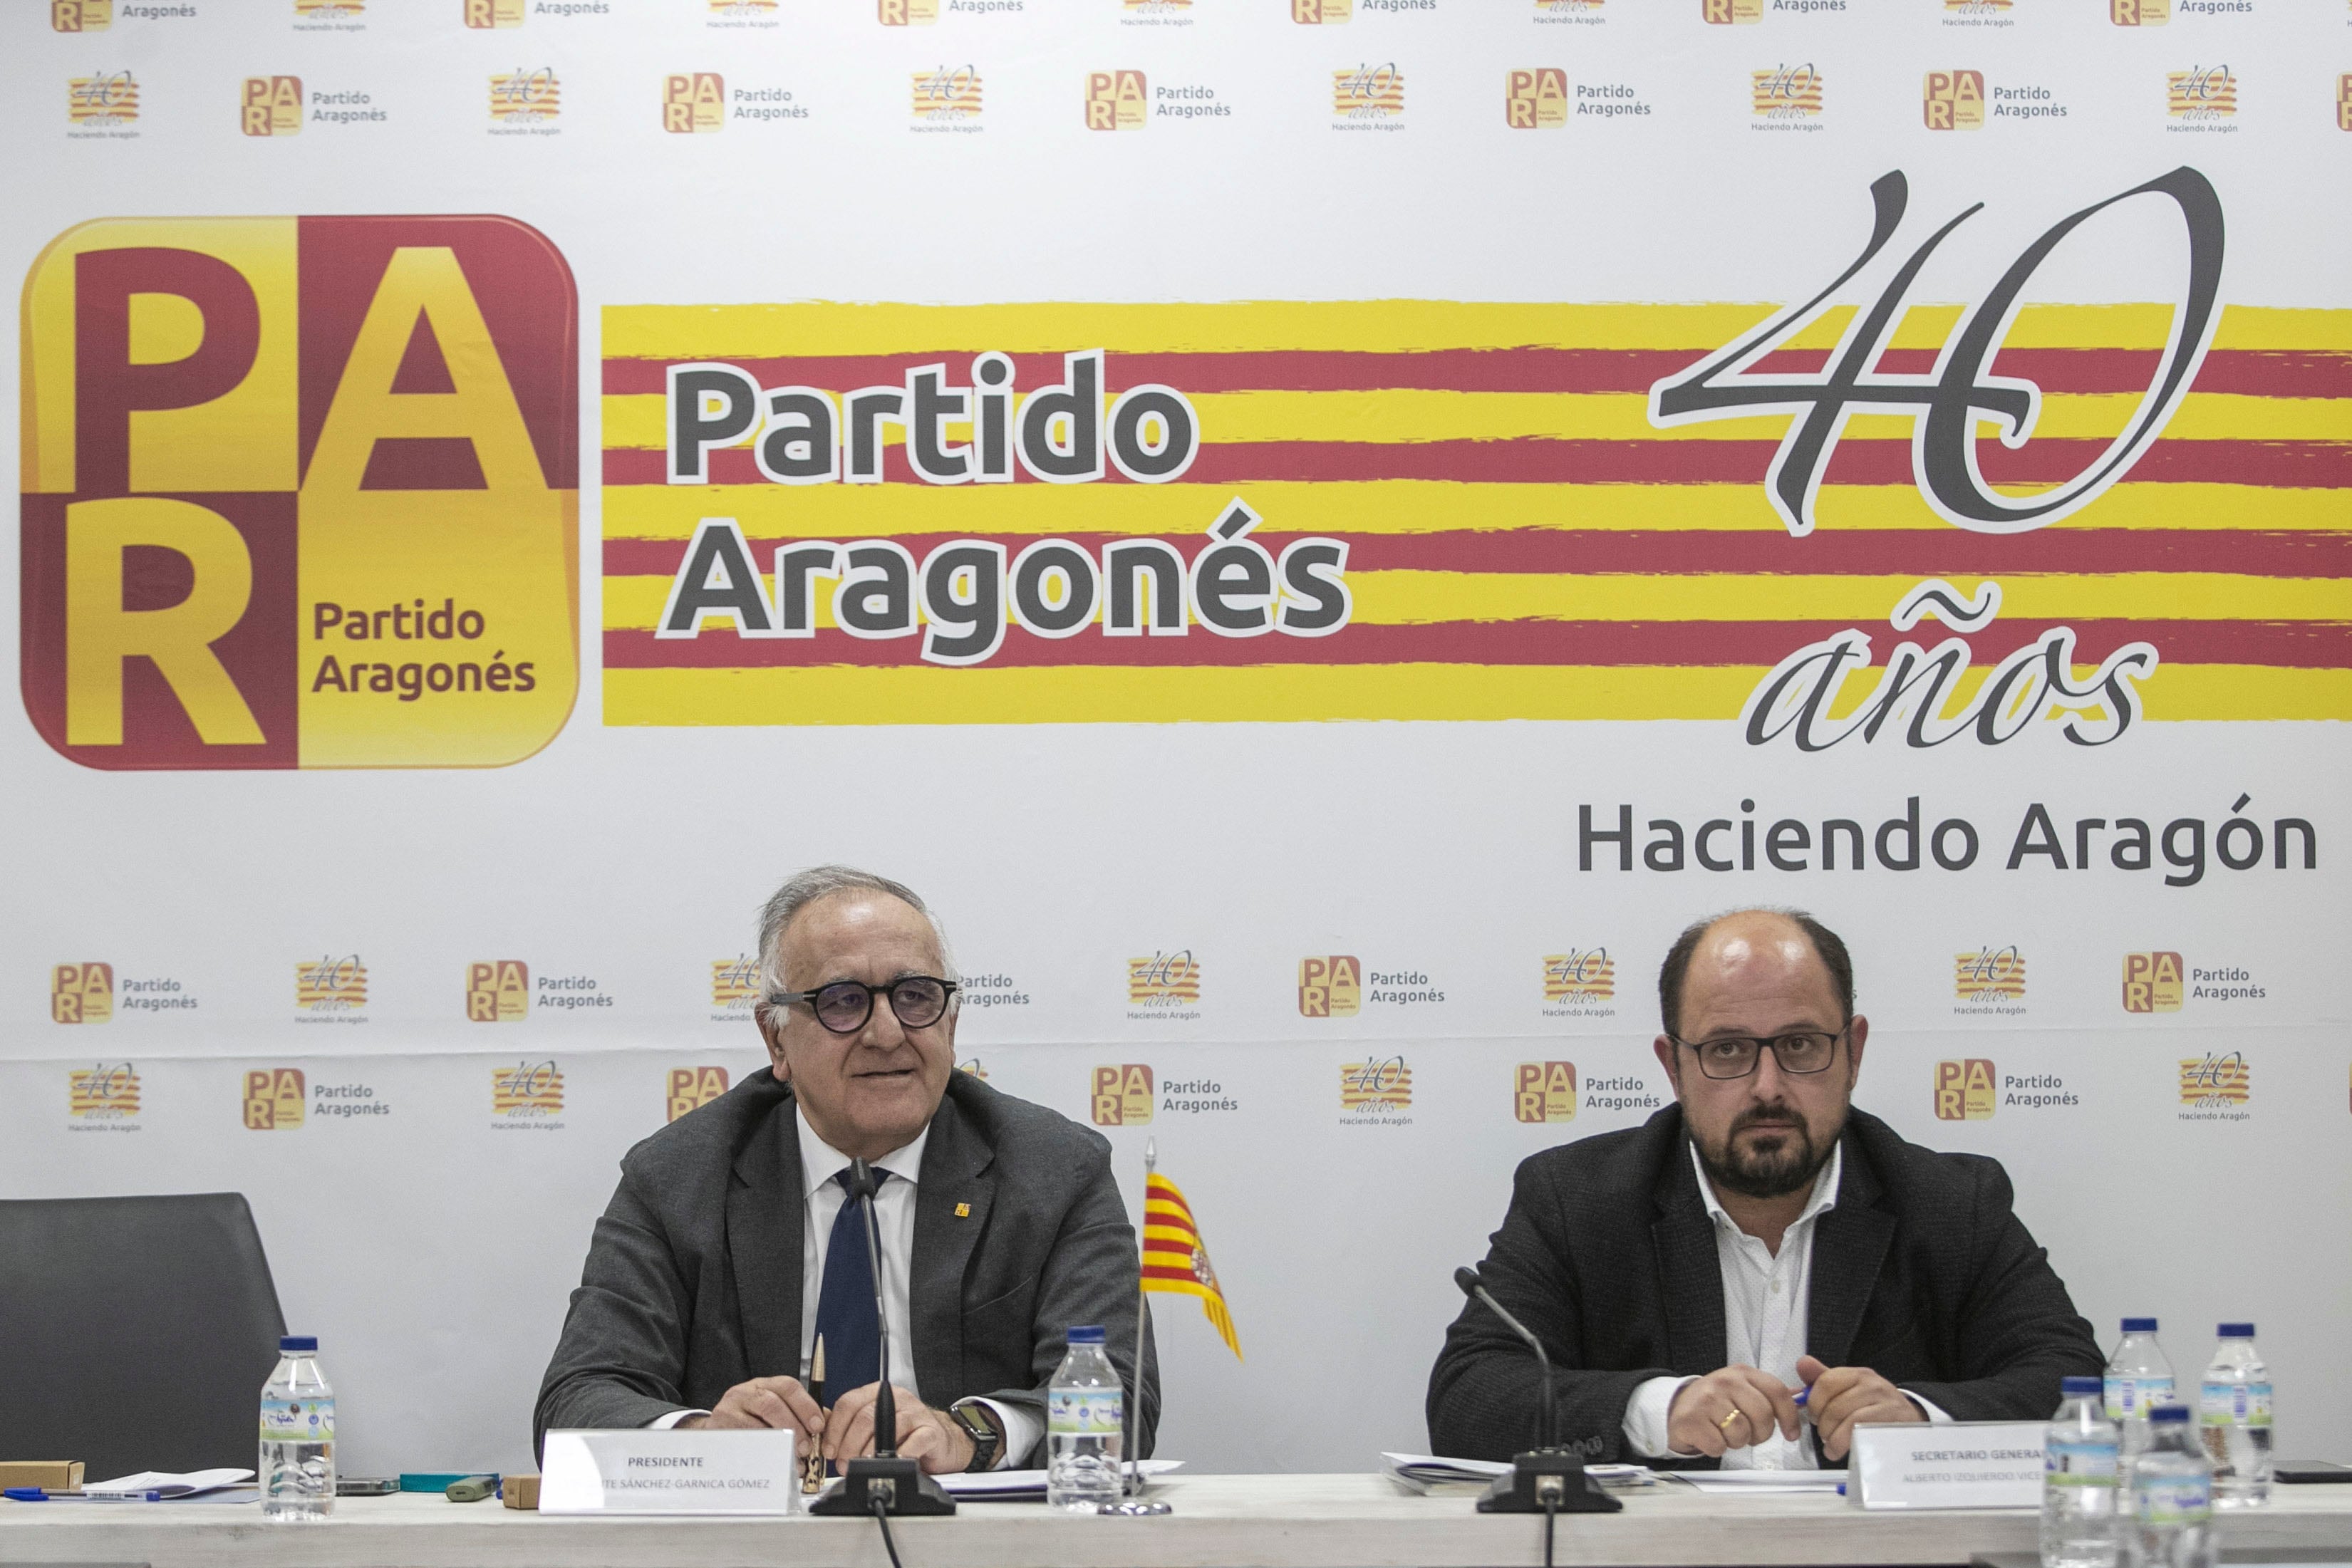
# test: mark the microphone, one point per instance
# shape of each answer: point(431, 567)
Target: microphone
point(1547, 1480)
point(881, 1482)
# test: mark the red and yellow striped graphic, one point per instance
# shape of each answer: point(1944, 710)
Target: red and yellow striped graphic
point(1174, 1260)
point(2202, 90)
point(1522, 541)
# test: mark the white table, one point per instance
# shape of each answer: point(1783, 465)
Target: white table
point(1221, 1522)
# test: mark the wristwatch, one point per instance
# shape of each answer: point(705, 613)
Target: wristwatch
point(979, 1424)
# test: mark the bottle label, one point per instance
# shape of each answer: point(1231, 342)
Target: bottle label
point(2237, 1404)
point(2073, 1463)
point(2128, 1398)
point(2174, 1499)
point(1088, 1412)
point(298, 1420)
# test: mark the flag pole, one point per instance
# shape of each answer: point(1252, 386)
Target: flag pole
point(1131, 1503)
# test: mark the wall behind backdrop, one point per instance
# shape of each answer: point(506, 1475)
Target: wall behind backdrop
point(1319, 534)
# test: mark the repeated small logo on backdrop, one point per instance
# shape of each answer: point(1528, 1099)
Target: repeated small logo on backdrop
point(1116, 100)
point(520, 98)
point(336, 10)
point(1368, 94)
point(753, 11)
point(1786, 93)
point(527, 1092)
point(1976, 7)
point(2139, 13)
point(271, 106)
point(735, 983)
point(905, 12)
point(2200, 93)
point(1330, 987)
point(274, 1098)
point(81, 15)
point(103, 100)
point(1731, 13)
point(102, 1093)
point(1569, 10)
point(1536, 98)
point(1990, 975)
point(1321, 13)
point(1382, 1084)
point(1954, 100)
point(489, 13)
point(330, 985)
point(692, 1088)
point(1164, 980)
point(947, 95)
point(1544, 1091)
point(497, 991)
point(1122, 1096)
point(1155, 13)
point(2344, 102)
point(2216, 1081)
point(2153, 982)
point(1967, 1090)
point(1580, 975)
point(694, 102)
point(81, 993)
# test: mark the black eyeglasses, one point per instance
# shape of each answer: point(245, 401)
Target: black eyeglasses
point(1736, 1055)
point(918, 1001)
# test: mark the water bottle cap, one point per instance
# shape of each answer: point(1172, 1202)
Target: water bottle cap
point(299, 1341)
point(2237, 1331)
point(2081, 1387)
point(2169, 1414)
point(1089, 1335)
point(2139, 1325)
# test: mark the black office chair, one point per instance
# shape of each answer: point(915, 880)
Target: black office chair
point(135, 1332)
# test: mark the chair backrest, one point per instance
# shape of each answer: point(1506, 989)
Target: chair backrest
point(135, 1332)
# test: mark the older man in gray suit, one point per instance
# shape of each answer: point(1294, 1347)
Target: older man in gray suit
point(731, 1249)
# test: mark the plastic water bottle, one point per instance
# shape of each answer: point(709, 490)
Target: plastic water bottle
point(2172, 1496)
point(2080, 1481)
point(2139, 1378)
point(2237, 1420)
point(298, 1435)
point(1083, 1413)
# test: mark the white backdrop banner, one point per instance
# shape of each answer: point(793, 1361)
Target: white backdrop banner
point(1319, 532)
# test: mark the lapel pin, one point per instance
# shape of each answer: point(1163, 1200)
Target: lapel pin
point(963, 1211)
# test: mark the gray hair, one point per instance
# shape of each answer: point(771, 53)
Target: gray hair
point(804, 888)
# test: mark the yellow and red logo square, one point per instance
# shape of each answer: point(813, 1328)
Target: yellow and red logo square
point(274, 1098)
point(497, 991)
point(905, 12)
point(2139, 13)
point(271, 106)
point(692, 1088)
point(1321, 13)
point(1123, 1095)
point(694, 102)
point(1544, 1091)
point(491, 14)
point(1577, 975)
point(2216, 1079)
point(81, 15)
point(331, 985)
point(734, 982)
point(1988, 974)
point(1330, 987)
point(1164, 978)
point(1534, 98)
point(1116, 100)
point(1382, 1084)
point(1786, 93)
point(103, 1092)
point(1731, 13)
point(527, 1090)
point(102, 100)
point(1966, 1091)
point(1954, 100)
point(2153, 982)
point(81, 993)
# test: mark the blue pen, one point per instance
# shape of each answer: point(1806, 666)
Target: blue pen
point(1802, 1395)
point(25, 1494)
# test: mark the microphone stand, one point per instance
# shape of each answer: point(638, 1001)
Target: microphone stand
point(1549, 1480)
point(1131, 1503)
point(882, 1482)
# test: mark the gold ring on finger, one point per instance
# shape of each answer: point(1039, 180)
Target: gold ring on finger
point(1724, 1426)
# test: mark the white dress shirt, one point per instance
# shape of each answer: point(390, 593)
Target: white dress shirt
point(1767, 1301)
point(893, 1216)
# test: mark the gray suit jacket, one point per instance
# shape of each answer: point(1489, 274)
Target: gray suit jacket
point(693, 1280)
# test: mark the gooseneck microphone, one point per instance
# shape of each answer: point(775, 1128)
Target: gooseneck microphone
point(881, 1483)
point(1548, 1479)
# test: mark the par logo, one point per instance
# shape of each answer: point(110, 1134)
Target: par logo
point(102, 1093)
point(2152, 982)
point(274, 1098)
point(2215, 1081)
point(271, 106)
point(81, 15)
point(1731, 13)
point(1380, 1085)
point(102, 101)
point(2139, 13)
point(691, 1088)
point(529, 1091)
point(2200, 92)
point(1579, 977)
point(81, 993)
point(2344, 102)
point(694, 102)
point(330, 985)
point(498, 992)
point(735, 982)
point(947, 94)
point(1123, 1095)
point(1116, 100)
point(487, 14)
point(300, 492)
point(1544, 1091)
point(905, 12)
point(1320, 12)
point(1990, 975)
point(1954, 100)
point(1536, 100)
point(1965, 1091)
point(1786, 93)
point(1330, 987)
point(1164, 980)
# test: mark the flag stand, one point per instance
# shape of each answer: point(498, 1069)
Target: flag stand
point(1132, 1503)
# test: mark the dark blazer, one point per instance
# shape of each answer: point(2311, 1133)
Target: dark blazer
point(693, 1280)
point(1921, 1272)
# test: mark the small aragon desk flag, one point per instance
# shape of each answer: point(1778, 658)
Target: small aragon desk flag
point(1175, 1260)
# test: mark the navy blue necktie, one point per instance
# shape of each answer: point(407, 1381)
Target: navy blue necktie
point(844, 1301)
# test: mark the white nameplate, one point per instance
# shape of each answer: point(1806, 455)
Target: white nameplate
point(696, 1471)
point(1966, 1464)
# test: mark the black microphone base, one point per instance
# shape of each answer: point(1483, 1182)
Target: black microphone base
point(1547, 1478)
point(900, 1484)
